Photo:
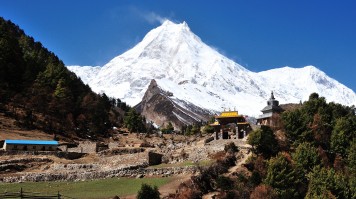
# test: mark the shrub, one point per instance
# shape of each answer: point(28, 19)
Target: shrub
point(208, 129)
point(224, 183)
point(231, 148)
point(148, 192)
point(255, 178)
point(263, 191)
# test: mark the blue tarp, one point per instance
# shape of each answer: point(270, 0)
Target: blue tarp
point(32, 142)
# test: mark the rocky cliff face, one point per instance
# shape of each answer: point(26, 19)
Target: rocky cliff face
point(160, 106)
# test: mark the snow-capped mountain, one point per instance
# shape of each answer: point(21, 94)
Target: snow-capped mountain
point(293, 84)
point(197, 74)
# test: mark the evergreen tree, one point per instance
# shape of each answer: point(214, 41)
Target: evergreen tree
point(47, 88)
point(148, 192)
point(283, 177)
point(294, 124)
point(170, 126)
point(306, 157)
point(351, 162)
point(263, 141)
point(61, 90)
point(326, 183)
point(344, 132)
point(134, 122)
point(351, 158)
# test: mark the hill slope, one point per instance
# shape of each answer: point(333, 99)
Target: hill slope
point(39, 92)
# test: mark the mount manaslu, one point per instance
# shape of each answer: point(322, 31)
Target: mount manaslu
point(171, 75)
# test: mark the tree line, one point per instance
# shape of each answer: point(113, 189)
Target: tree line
point(317, 158)
point(40, 92)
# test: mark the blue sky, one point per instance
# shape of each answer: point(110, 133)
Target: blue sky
point(259, 35)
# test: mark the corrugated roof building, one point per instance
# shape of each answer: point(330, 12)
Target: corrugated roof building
point(30, 145)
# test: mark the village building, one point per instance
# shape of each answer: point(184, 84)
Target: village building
point(30, 145)
point(229, 124)
point(270, 113)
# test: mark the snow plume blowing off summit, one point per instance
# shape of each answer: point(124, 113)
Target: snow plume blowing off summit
point(196, 74)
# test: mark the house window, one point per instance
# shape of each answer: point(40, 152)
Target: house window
point(33, 147)
point(15, 146)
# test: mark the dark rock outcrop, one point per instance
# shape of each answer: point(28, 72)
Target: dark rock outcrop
point(154, 158)
point(158, 106)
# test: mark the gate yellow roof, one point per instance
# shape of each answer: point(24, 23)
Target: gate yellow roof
point(229, 114)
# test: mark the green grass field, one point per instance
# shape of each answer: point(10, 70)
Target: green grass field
point(104, 188)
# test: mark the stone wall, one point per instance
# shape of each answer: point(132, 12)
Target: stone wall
point(84, 147)
point(60, 154)
point(120, 151)
point(128, 171)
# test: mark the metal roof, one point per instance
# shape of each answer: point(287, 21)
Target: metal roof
point(32, 142)
point(266, 115)
point(229, 114)
point(271, 108)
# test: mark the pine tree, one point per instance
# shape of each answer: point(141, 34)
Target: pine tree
point(134, 122)
point(263, 141)
point(306, 157)
point(342, 135)
point(283, 177)
point(148, 192)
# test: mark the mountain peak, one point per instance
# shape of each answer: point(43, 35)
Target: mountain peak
point(194, 72)
point(168, 22)
point(312, 69)
point(175, 27)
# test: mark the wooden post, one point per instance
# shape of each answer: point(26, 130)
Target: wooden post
point(21, 196)
point(59, 195)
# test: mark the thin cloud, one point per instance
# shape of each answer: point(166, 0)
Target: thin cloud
point(135, 13)
point(152, 17)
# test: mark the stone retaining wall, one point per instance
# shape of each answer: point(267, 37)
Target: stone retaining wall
point(60, 154)
point(25, 160)
point(120, 151)
point(128, 171)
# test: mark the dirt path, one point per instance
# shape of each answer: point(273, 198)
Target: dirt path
point(246, 155)
point(171, 187)
point(210, 195)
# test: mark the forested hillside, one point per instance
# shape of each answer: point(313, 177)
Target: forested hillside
point(316, 160)
point(40, 93)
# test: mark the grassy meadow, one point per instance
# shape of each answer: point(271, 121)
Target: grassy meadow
point(104, 188)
